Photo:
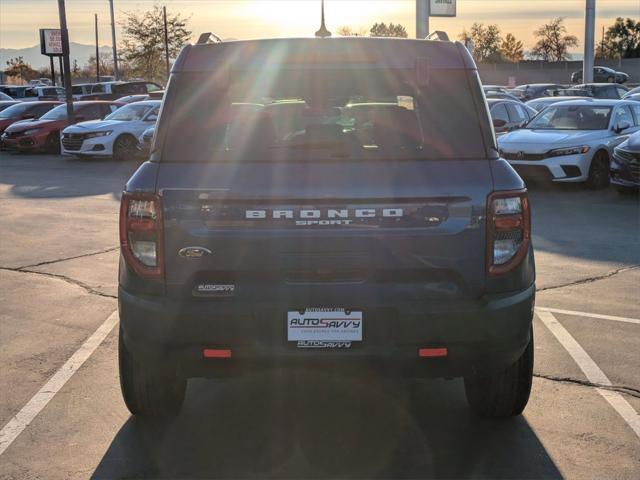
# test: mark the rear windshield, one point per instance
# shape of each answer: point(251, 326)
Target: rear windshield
point(325, 113)
point(15, 110)
point(572, 117)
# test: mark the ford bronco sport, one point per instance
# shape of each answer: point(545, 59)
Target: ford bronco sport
point(327, 204)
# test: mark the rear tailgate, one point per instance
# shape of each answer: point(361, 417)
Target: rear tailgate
point(276, 231)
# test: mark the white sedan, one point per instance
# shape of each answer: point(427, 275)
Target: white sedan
point(572, 141)
point(116, 136)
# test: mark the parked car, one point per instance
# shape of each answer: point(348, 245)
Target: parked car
point(81, 89)
point(44, 134)
point(494, 88)
point(4, 104)
point(604, 90)
point(40, 93)
point(14, 91)
point(144, 142)
point(116, 136)
point(508, 115)
point(635, 97)
point(133, 98)
point(572, 141)
point(540, 104)
point(22, 111)
point(625, 164)
point(6, 98)
point(115, 90)
point(536, 90)
point(250, 241)
point(602, 74)
point(573, 92)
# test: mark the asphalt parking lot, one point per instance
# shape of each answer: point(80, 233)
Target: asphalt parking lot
point(62, 415)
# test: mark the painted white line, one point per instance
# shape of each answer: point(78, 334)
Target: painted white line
point(590, 315)
point(25, 416)
point(591, 370)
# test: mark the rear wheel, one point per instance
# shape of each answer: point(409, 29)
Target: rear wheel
point(610, 79)
point(124, 148)
point(149, 390)
point(502, 394)
point(599, 172)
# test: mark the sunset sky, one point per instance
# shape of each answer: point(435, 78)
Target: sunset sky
point(21, 19)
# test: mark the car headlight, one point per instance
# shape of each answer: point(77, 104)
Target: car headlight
point(98, 134)
point(559, 152)
point(31, 131)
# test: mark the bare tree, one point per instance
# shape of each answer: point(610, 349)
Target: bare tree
point(553, 41)
point(347, 31)
point(511, 49)
point(486, 42)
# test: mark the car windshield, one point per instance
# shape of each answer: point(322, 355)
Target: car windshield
point(572, 117)
point(57, 113)
point(15, 110)
point(322, 114)
point(130, 113)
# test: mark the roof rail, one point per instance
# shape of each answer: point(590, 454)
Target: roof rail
point(438, 35)
point(208, 37)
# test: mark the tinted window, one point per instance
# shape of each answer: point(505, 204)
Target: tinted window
point(621, 92)
point(76, 90)
point(40, 110)
point(499, 112)
point(131, 112)
point(97, 89)
point(516, 113)
point(128, 88)
point(15, 110)
point(572, 117)
point(306, 115)
point(152, 87)
point(91, 112)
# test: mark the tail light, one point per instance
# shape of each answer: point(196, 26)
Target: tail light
point(141, 233)
point(508, 231)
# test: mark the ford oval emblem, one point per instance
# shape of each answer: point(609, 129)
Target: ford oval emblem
point(194, 252)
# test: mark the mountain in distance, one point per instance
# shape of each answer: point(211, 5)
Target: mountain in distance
point(32, 55)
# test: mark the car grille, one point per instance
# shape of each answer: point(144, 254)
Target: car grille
point(523, 156)
point(627, 156)
point(72, 142)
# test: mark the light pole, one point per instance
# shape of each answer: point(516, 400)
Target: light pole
point(97, 52)
point(65, 60)
point(113, 41)
point(589, 39)
point(422, 19)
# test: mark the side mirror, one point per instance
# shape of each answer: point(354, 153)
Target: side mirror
point(499, 123)
point(621, 126)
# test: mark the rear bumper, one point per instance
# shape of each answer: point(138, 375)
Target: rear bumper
point(486, 334)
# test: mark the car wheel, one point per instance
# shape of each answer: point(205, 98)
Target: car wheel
point(124, 148)
point(149, 390)
point(503, 394)
point(610, 79)
point(599, 172)
point(52, 144)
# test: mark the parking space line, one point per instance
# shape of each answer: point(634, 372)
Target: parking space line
point(593, 373)
point(25, 416)
point(590, 315)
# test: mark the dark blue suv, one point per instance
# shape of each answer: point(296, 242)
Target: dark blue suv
point(333, 204)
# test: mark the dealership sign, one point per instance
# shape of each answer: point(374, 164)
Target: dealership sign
point(51, 41)
point(442, 8)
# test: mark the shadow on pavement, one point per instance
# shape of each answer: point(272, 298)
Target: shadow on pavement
point(319, 426)
point(54, 176)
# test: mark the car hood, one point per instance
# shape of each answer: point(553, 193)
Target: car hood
point(91, 126)
point(632, 144)
point(540, 140)
point(28, 125)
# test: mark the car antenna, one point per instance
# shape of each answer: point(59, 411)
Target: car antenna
point(323, 32)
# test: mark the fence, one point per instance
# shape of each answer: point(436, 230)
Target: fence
point(549, 72)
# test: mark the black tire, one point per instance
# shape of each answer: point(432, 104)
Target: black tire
point(124, 148)
point(610, 79)
point(599, 172)
point(52, 144)
point(149, 391)
point(503, 394)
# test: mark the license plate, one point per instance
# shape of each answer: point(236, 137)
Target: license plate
point(324, 327)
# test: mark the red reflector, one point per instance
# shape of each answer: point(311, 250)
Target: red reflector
point(433, 352)
point(216, 353)
point(508, 222)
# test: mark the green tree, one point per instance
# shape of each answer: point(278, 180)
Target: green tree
point(17, 67)
point(553, 41)
point(391, 30)
point(621, 40)
point(486, 40)
point(511, 49)
point(143, 41)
